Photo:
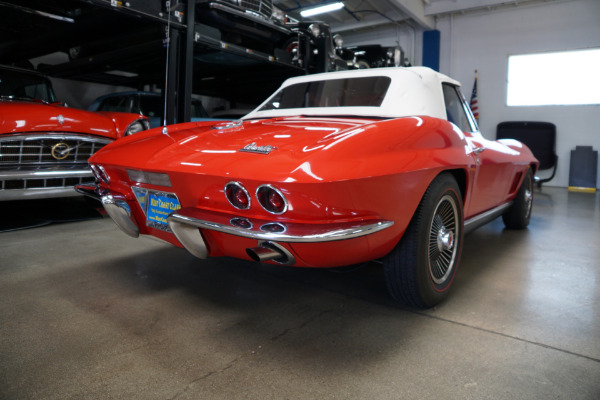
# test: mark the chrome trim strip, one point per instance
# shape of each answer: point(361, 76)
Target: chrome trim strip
point(55, 136)
point(95, 192)
point(481, 219)
point(37, 193)
point(46, 174)
point(294, 233)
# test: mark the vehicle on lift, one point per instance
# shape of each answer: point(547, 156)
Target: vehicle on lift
point(265, 30)
point(375, 56)
point(45, 145)
point(148, 104)
point(333, 169)
point(262, 9)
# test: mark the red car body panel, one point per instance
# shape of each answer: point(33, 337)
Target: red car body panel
point(34, 117)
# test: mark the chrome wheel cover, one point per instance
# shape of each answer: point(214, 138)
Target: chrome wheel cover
point(443, 235)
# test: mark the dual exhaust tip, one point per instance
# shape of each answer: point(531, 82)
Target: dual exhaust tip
point(270, 251)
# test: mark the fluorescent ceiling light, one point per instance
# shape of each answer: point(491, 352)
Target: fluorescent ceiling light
point(322, 9)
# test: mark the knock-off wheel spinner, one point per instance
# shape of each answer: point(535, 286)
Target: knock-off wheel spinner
point(445, 239)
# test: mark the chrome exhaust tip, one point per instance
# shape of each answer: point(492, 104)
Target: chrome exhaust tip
point(270, 251)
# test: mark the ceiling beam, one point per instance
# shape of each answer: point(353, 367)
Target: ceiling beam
point(370, 24)
point(441, 7)
point(415, 10)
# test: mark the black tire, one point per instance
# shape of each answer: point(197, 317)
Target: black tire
point(519, 214)
point(421, 268)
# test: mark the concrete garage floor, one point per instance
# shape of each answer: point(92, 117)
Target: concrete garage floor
point(89, 313)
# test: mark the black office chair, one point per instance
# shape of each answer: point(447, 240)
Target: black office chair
point(540, 137)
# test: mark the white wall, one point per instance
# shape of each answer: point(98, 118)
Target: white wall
point(483, 41)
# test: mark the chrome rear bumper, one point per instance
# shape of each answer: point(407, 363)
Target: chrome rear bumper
point(274, 231)
point(187, 223)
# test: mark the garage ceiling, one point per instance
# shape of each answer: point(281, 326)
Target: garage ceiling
point(96, 41)
point(82, 38)
point(364, 14)
point(368, 14)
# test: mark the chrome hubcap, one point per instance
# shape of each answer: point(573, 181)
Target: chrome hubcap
point(442, 240)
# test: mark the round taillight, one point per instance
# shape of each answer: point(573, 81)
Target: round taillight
point(271, 199)
point(237, 195)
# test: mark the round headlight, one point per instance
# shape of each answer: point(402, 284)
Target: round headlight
point(338, 39)
point(314, 29)
point(278, 15)
point(271, 199)
point(137, 126)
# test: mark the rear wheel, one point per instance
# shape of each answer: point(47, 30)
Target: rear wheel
point(518, 215)
point(420, 270)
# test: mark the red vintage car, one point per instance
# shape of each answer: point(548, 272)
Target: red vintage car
point(44, 145)
point(333, 169)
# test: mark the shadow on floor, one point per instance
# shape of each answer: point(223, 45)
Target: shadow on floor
point(26, 214)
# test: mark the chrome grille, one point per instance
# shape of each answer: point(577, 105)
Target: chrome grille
point(41, 164)
point(24, 184)
point(48, 151)
point(261, 7)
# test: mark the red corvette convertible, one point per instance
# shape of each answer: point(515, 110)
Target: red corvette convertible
point(333, 169)
point(44, 145)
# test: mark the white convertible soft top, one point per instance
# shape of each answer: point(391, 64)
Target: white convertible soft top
point(413, 91)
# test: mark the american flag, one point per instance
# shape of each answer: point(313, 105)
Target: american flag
point(474, 102)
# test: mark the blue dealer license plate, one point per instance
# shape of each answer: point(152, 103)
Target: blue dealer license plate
point(160, 205)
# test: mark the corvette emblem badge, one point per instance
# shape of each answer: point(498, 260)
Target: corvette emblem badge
point(253, 148)
point(61, 119)
point(60, 151)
